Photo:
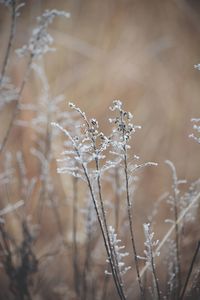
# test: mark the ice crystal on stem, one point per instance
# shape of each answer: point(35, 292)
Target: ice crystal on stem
point(41, 40)
point(197, 66)
point(119, 253)
point(149, 252)
point(121, 135)
point(196, 127)
point(8, 92)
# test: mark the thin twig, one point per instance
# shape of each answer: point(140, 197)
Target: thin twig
point(10, 41)
point(16, 108)
point(190, 270)
point(170, 231)
point(75, 247)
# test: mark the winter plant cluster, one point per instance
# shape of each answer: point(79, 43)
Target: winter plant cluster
point(99, 242)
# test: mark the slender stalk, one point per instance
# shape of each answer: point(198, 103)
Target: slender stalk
point(178, 272)
point(122, 127)
point(75, 247)
point(170, 231)
point(155, 275)
point(16, 108)
point(87, 263)
point(10, 41)
point(117, 202)
point(108, 249)
point(176, 214)
point(105, 223)
point(89, 283)
point(130, 218)
point(190, 271)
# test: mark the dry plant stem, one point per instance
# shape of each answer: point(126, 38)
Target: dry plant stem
point(103, 223)
point(44, 193)
point(75, 247)
point(86, 268)
point(44, 189)
point(112, 250)
point(16, 108)
point(10, 41)
point(108, 249)
point(155, 275)
point(170, 231)
point(190, 270)
point(117, 202)
point(177, 246)
point(130, 218)
point(129, 206)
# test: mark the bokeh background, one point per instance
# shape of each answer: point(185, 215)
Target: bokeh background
point(141, 52)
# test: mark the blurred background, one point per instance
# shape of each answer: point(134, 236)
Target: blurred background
point(141, 52)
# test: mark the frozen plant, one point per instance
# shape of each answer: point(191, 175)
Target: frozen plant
point(86, 159)
point(174, 201)
point(149, 252)
point(14, 13)
point(197, 66)
point(38, 45)
point(41, 40)
point(119, 253)
point(196, 127)
point(8, 92)
point(122, 132)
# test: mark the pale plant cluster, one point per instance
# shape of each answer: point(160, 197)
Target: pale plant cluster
point(103, 253)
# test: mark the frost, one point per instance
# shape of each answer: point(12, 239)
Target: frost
point(118, 252)
point(197, 66)
point(40, 40)
point(8, 92)
point(196, 128)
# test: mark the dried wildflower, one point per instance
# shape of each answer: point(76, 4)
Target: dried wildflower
point(41, 40)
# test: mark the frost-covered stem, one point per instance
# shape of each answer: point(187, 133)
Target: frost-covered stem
point(75, 248)
point(44, 189)
point(112, 250)
point(171, 230)
point(10, 41)
point(107, 246)
point(177, 247)
point(190, 270)
point(129, 206)
point(86, 267)
point(154, 274)
point(130, 218)
point(176, 215)
point(88, 263)
point(16, 108)
point(44, 193)
point(117, 202)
